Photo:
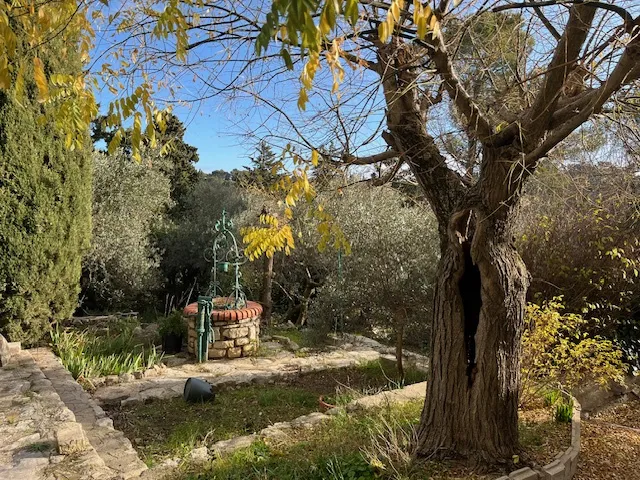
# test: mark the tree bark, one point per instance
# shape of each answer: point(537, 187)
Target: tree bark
point(471, 407)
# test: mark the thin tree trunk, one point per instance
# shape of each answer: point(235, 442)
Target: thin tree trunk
point(471, 407)
point(399, 348)
point(267, 287)
point(309, 287)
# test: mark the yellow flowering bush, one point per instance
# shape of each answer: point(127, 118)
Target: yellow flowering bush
point(557, 351)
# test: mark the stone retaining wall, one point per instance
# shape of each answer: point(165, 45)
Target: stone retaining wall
point(236, 332)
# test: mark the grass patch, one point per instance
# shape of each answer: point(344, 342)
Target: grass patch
point(88, 355)
point(368, 446)
point(341, 449)
point(172, 427)
point(304, 338)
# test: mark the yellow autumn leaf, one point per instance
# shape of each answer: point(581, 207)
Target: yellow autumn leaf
point(40, 79)
point(5, 77)
point(383, 32)
point(303, 99)
point(436, 30)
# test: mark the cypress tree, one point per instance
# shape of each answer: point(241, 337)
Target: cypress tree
point(45, 208)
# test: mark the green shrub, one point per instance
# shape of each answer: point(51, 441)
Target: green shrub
point(45, 208)
point(579, 238)
point(385, 287)
point(172, 324)
point(129, 201)
point(563, 412)
point(551, 397)
point(183, 242)
point(558, 350)
point(86, 355)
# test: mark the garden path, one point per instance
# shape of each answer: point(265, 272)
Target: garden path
point(168, 381)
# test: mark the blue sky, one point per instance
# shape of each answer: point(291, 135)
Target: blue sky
point(210, 132)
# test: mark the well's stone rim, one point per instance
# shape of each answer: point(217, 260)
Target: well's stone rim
point(252, 309)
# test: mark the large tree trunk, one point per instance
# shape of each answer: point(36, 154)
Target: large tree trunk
point(471, 407)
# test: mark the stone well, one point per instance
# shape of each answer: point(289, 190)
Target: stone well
point(235, 332)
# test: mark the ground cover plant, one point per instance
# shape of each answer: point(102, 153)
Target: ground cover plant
point(172, 427)
point(372, 445)
point(88, 354)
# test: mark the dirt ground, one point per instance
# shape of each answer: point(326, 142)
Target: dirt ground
point(611, 442)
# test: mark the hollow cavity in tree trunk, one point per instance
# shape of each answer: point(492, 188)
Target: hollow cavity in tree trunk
point(471, 408)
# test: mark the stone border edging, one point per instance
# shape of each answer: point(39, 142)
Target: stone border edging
point(565, 465)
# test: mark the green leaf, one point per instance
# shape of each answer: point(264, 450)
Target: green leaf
point(287, 58)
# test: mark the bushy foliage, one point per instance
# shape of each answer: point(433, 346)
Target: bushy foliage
point(559, 351)
point(563, 412)
point(178, 156)
point(183, 242)
point(580, 239)
point(172, 324)
point(386, 284)
point(129, 202)
point(45, 213)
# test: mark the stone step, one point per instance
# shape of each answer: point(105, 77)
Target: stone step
point(39, 432)
point(116, 451)
point(111, 445)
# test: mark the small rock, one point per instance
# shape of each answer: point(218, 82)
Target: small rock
point(234, 352)
point(71, 439)
point(105, 422)
point(98, 381)
point(170, 463)
point(54, 459)
point(5, 352)
point(126, 377)
point(199, 454)
point(130, 401)
point(111, 380)
point(228, 446)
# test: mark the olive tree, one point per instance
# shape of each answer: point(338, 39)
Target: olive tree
point(386, 284)
point(130, 200)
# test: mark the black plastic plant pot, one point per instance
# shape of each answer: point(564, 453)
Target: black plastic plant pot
point(171, 343)
point(196, 390)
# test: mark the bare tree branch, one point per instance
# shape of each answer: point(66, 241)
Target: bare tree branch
point(545, 21)
point(371, 159)
point(478, 123)
point(626, 71)
point(561, 65)
point(389, 175)
point(629, 21)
